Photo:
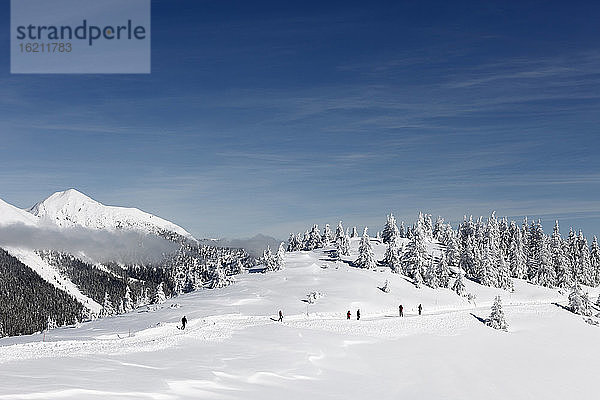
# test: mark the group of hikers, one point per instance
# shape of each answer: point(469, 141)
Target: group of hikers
point(401, 310)
point(348, 315)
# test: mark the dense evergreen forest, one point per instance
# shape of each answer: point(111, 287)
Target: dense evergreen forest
point(30, 304)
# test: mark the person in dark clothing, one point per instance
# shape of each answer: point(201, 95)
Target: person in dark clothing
point(348, 315)
point(420, 309)
point(280, 316)
point(358, 315)
point(183, 322)
point(401, 310)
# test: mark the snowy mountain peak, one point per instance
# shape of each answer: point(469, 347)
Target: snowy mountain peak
point(73, 208)
point(66, 199)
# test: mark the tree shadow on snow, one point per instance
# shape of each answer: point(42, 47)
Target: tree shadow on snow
point(259, 270)
point(482, 320)
point(563, 307)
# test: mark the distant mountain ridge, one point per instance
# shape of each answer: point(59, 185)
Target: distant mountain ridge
point(73, 208)
point(253, 245)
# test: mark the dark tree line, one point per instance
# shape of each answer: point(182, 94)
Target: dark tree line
point(28, 303)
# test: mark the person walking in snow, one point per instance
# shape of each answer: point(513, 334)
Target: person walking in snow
point(420, 309)
point(348, 315)
point(183, 322)
point(358, 315)
point(280, 316)
point(401, 310)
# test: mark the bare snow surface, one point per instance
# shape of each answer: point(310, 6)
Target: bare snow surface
point(233, 347)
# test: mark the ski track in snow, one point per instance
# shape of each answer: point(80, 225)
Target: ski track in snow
point(222, 327)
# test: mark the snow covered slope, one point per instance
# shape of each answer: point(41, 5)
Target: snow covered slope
point(10, 214)
point(70, 208)
point(234, 349)
point(51, 275)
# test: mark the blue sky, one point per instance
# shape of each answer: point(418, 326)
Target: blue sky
point(267, 117)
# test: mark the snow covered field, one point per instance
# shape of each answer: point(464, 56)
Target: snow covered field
point(233, 347)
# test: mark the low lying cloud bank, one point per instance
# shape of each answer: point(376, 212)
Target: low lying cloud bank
point(94, 245)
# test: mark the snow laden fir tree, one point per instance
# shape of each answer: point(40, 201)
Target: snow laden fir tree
point(496, 319)
point(366, 257)
point(342, 241)
point(273, 262)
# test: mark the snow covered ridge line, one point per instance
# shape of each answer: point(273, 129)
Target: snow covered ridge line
point(70, 208)
point(489, 253)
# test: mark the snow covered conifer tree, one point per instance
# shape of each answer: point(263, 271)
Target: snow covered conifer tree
point(459, 286)
point(343, 245)
point(293, 243)
point(486, 273)
point(143, 298)
point(327, 237)
point(431, 279)
point(402, 230)
point(452, 251)
point(305, 240)
point(525, 237)
point(366, 257)
point(268, 260)
point(128, 304)
point(427, 226)
point(160, 296)
point(503, 275)
point(354, 233)
point(438, 229)
point(108, 308)
point(418, 279)
point(536, 245)
point(415, 259)
point(339, 231)
point(545, 274)
point(51, 323)
point(560, 262)
point(219, 278)
point(279, 257)
point(392, 257)
point(390, 230)
point(579, 303)
point(517, 262)
point(443, 272)
point(595, 261)
point(468, 262)
point(386, 286)
point(496, 319)
point(585, 266)
point(314, 240)
point(504, 238)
